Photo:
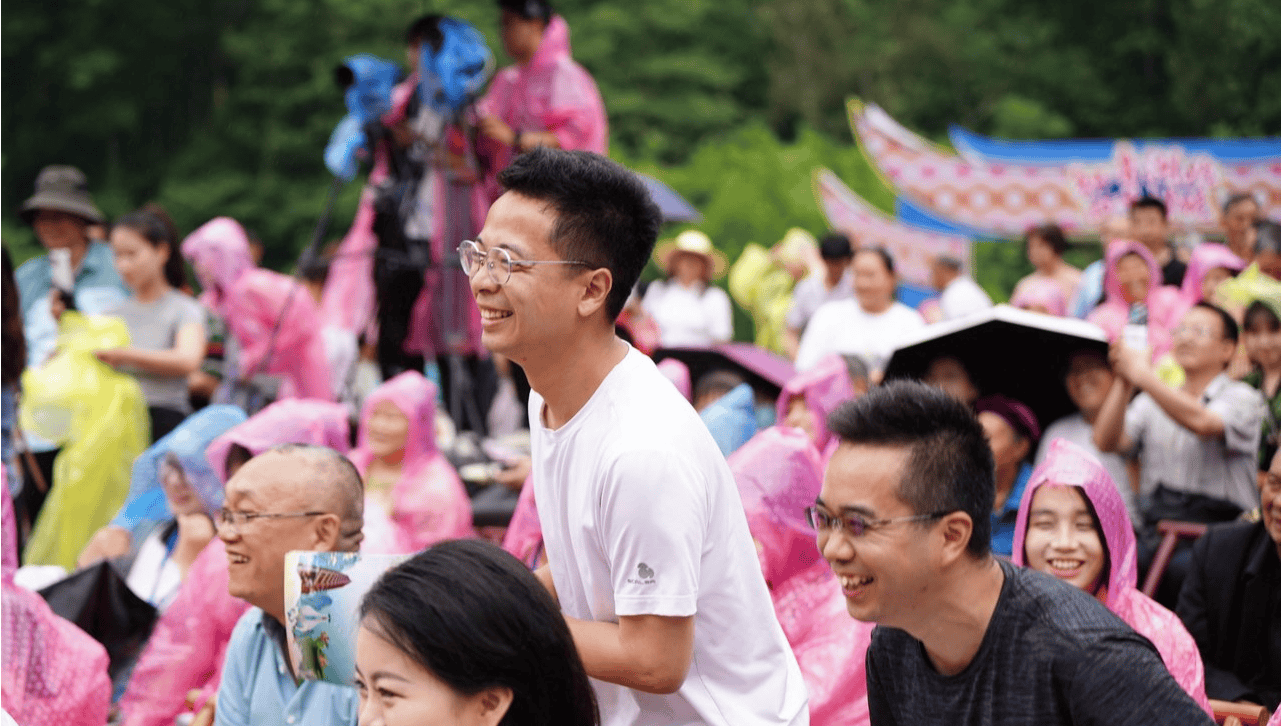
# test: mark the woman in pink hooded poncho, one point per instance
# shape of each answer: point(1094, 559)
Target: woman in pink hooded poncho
point(1209, 265)
point(408, 482)
point(808, 398)
point(1068, 466)
point(1040, 295)
point(544, 99)
point(1125, 284)
point(779, 473)
point(187, 646)
point(252, 301)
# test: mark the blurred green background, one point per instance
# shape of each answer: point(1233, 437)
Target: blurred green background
point(224, 106)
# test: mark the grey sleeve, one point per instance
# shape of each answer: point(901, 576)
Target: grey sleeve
point(1139, 412)
point(1123, 680)
point(190, 312)
point(1242, 409)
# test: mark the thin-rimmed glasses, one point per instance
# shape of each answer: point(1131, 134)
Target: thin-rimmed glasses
point(498, 261)
point(856, 525)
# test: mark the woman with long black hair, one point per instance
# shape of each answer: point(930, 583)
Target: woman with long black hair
point(463, 634)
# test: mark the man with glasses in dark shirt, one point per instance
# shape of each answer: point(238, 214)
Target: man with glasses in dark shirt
point(963, 637)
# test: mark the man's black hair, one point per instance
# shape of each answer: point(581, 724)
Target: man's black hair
point(1147, 202)
point(835, 246)
point(883, 253)
point(950, 465)
point(425, 30)
point(1227, 322)
point(604, 214)
point(719, 382)
point(1259, 313)
point(528, 9)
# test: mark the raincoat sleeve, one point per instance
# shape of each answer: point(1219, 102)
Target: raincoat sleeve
point(432, 507)
point(53, 673)
point(524, 537)
point(187, 646)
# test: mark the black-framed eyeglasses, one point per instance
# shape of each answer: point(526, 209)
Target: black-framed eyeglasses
point(498, 261)
point(856, 525)
point(235, 520)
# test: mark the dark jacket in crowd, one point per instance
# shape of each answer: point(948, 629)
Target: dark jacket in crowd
point(1230, 604)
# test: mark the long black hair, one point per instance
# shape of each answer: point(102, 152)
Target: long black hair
point(476, 618)
point(153, 224)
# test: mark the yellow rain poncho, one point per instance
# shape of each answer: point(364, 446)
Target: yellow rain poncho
point(99, 417)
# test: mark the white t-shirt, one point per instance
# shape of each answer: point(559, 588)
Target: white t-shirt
point(843, 327)
point(689, 317)
point(962, 297)
point(641, 516)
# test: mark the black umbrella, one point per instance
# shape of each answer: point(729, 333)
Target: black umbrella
point(673, 206)
point(1014, 352)
point(765, 371)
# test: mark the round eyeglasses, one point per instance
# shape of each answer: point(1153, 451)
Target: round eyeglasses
point(498, 261)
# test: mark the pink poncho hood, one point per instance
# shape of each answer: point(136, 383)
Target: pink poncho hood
point(779, 474)
point(1042, 292)
point(1163, 301)
point(1067, 464)
point(825, 386)
point(429, 501)
point(219, 252)
point(292, 421)
point(1207, 257)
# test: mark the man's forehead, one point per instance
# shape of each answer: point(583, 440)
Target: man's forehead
point(269, 476)
point(863, 476)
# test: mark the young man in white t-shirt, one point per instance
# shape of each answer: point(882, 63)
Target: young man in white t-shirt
point(648, 548)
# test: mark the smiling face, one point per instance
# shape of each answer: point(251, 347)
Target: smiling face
point(1149, 227)
point(1062, 539)
point(1237, 222)
point(885, 572)
point(396, 690)
point(139, 262)
point(521, 37)
point(535, 311)
point(1134, 277)
point(386, 429)
point(874, 284)
point(1040, 253)
point(1009, 448)
point(272, 482)
point(1263, 343)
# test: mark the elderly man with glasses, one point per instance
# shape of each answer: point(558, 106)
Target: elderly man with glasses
point(292, 497)
point(903, 519)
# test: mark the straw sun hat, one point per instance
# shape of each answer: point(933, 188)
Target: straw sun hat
point(693, 242)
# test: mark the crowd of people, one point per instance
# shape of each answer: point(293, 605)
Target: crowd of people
point(682, 543)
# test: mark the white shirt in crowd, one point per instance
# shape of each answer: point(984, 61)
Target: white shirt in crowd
point(689, 316)
point(641, 516)
point(961, 297)
point(843, 327)
point(811, 293)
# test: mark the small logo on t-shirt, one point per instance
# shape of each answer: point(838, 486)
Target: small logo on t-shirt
point(645, 575)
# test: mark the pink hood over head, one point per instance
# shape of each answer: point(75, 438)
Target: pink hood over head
point(1163, 301)
point(278, 326)
point(825, 386)
point(429, 501)
point(1042, 292)
point(1067, 464)
point(1206, 257)
point(219, 252)
point(292, 421)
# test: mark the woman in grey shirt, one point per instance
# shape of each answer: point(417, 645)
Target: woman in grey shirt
point(166, 326)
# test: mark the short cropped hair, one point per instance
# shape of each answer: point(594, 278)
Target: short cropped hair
point(425, 30)
point(1147, 202)
point(337, 473)
point(604, 214)
point(1238, 198)
point(1053, 235)
point(949, 262)
point(950, 465)
point(1226, 321)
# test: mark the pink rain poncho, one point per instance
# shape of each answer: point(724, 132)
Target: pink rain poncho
point(825, 386)
point(1067, 464)
point(524, 536)
point(1163, 301)
point(53, 672)
point(429, 503)
point(273, 318)
point(779, 473)
point(1206, 257)
point(550, 93)
point(187, 646)
point(1042, 293)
